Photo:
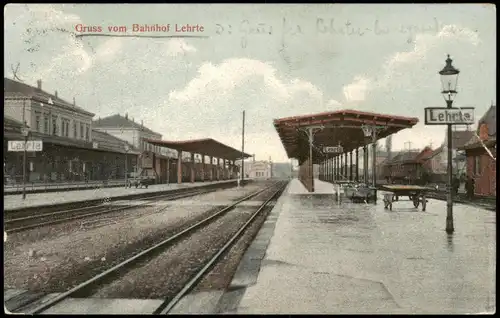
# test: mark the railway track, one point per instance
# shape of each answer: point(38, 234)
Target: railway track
point(487, 204)
point(89, 287)
point(15, 223)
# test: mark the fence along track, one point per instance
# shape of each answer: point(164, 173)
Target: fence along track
point(132, 260)
point(10, 224)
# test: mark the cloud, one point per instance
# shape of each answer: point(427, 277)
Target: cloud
point(406, 65)
point(215, 81)
point(177, 46)
point(108, 50)
point(45, 31)
point(216, 96)
point(407, 74)
point(356, 91)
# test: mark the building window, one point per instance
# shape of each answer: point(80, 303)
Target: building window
point(87, 132)
point(82, 133)
point(65, 127)
point(46, 124)
point(75, 129)
point(54, 125)
point(38, 121)
point(477, 165)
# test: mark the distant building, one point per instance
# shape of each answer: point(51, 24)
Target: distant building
point(407, 166)
point(127, 129)
point(257, 169)
point(480, 165)
point(459, 139)
point(46, 113)
point(72, 151)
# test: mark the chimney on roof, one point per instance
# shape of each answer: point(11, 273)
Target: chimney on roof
point(74, 102)
point(142, 125)
point(39, 84)
point(126, 115)
point(55, 94)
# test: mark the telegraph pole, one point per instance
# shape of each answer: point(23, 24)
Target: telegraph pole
point(243, 148)
point(409, 145)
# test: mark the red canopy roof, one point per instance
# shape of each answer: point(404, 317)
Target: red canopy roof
point(205, 146)
point(341, 127)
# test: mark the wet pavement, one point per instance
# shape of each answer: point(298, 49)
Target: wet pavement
point(326, 257)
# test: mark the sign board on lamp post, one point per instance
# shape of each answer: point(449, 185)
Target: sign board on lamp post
point(31, 145)
point(449, 116)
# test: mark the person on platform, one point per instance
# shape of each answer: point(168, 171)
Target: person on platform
point(455, 185)
point(470, 188)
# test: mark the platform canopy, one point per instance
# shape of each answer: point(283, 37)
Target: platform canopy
point(336, 128)
point(205, 146)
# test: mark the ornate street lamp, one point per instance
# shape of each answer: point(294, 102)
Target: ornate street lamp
point(449, 80)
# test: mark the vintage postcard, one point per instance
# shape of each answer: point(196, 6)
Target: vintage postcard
point(249, 158)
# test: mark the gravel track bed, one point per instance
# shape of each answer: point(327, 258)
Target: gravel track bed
point(220, 277)
point(165, 274)
point(61, 262)
point(65, 228)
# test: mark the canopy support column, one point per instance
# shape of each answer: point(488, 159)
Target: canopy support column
point(179, 166)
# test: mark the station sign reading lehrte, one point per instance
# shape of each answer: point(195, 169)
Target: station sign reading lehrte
point(449, 116)
point(336, 149)
point(19, 145)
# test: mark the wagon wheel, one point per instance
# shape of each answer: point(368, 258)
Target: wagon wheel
point(416, 201)
point(424, 203)
point(410, 197)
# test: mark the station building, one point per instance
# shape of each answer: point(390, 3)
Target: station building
point(481, 167)
point(72, 149)
point(257, 169)
point(77, 148)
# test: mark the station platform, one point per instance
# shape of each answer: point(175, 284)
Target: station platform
point(12, 202)
point(317, 256)
point(60, 186)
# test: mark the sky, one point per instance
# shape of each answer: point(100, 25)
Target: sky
point(269, 60)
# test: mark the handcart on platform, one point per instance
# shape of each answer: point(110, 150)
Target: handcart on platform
point(416, 194)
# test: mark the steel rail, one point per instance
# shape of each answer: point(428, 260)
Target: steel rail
point(166, 307)
point(105, 210)
point(39, 309)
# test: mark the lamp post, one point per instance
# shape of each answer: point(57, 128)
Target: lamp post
point(449, 79)
point(26, 133)
point(371, 131)
point(127, 148)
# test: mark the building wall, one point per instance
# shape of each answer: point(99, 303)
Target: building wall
point(256, 169)
point(485, 174)
point(14, 108)
point(36, 114)
point(130, 135)
point(260, 170)
point(133, 136)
